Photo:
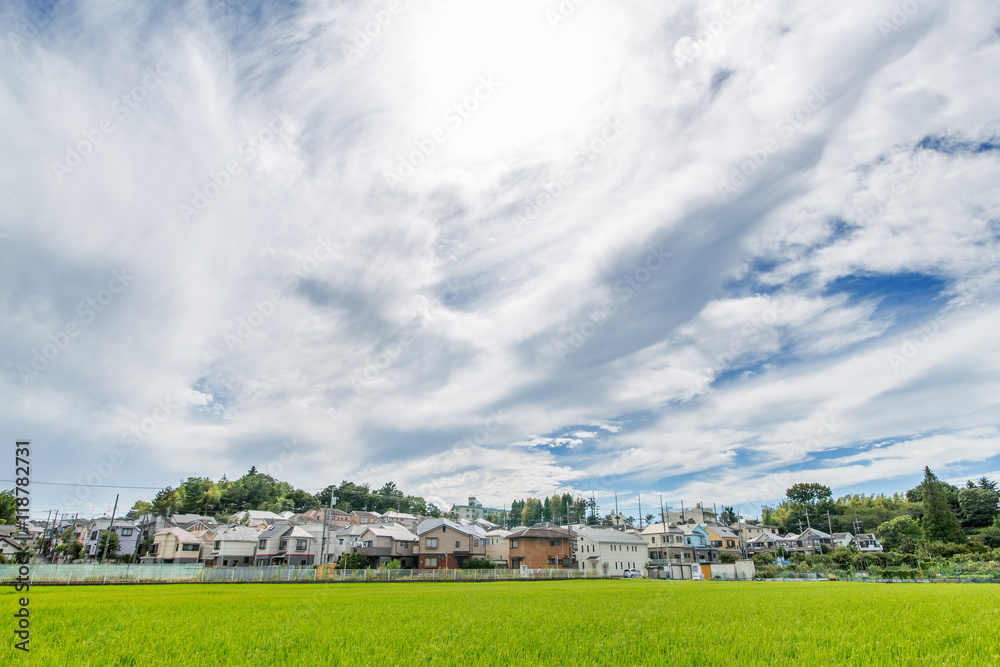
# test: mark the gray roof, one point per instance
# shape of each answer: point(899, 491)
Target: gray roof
point(236, 534)
point(276, 528)
point(427, 525)
point(609, 536)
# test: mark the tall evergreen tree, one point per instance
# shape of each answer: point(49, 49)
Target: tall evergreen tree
point(938, 522)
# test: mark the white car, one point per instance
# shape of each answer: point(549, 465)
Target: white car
point(632, 574)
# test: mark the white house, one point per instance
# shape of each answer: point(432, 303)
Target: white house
point(285, 543)
point(234, 546)
point(600, 547)
point(128, 537)
point(867, 542)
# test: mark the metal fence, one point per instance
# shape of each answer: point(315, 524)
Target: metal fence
point(96, 573)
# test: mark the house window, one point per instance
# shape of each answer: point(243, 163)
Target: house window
point(153, 549)
point(513, 544)
point(555, 543)
point(431, 561)
point(263, 544)
point(716, 543)
point(225, 562)
point(432, 543)
point(552, 561)
point(283, 545)
point(366, 544)
point(93, 535)
point(476, 542)
point(300, 545)
point(126, 532)
point(458, 544)
point(189, 547)
point(404, 545)
point(217, 545)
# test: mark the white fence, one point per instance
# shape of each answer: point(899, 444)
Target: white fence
point(96, 573)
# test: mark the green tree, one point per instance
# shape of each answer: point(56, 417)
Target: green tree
point(763, 558)
point(938, 522)
point(478, 564)
point(8, 508)
point(75, 550)
point(727, 557)
point(109, 539)
point(352, 561)
point(978, 506)
point(166, 501)
point(139, 508)
point(728, 516)
point(531, 513)
point(808, 494)
point(196, 494)
point(892, 532)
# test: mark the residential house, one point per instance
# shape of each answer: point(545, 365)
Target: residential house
point(337, 518)
point(666, 546)
point(810, 541)
point(696, 514)
point(722, 538)
point(128, 537)
point(192, 522)
point(408, 521)
point(475, 510)
point(286, 543)
point(385, 542)
point(748, 531)
point(763, 543)
point(543, 545)
point(360, 518)
point(699, 540)
point(10, 547)
point(842, 539)
point(344, 539)
point(255, 518)
point(867, 542)
point(604, 551)
point(174, 545)
point(444, 544)
point(233, 546)
point(498, 547)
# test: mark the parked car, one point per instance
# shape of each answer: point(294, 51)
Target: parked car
point(632, 574)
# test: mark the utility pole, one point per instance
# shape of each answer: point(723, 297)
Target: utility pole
point(807, 520)
point(45, 533)
point(55, 531)
point(682, 511)
point(326, 525)
point(829, 524)
point(640, 512)
point(107, 541)
point(616, 505)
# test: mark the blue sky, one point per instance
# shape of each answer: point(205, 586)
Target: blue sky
point(703, 250)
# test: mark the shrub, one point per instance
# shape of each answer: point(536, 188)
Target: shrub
point(727, 557)
point(478, 564)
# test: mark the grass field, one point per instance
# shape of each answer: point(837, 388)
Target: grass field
point(546, 623)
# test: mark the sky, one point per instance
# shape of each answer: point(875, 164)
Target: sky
point(692, 250)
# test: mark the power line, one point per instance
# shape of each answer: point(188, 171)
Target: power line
point(98, 486)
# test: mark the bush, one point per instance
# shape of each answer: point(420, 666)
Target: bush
point(727, 557)
point(478, 564)
point(763, 558)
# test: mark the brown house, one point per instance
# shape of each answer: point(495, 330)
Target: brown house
point(445, 544)
point(544, 545)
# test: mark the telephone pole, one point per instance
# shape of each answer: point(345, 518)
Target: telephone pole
point(111, 526)
point(640, 512)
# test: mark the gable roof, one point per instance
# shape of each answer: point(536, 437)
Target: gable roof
point(545, 531)
point(427, 525)
point(811, 533)
point(721, 531)
point(661, 529)
point(182, 535)
point(274, 529)
point(608, 536)
point(393, 530)
point(236, 534)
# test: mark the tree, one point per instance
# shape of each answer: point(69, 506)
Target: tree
point(139, 508)
point(8, 508)
point(108, 539)
point(75, 550)
point(987, 484)
point(478, 564)
point(978, 506)
point(727, 557)
point(808, 494)
point(763, 558)
point(938, 522)
point(728, 516)
point(892, 532)
point(649, 519)
point(531, 512)
point(394, 564)
point(352, 561)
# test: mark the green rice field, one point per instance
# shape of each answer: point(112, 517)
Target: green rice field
point(616, 622)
